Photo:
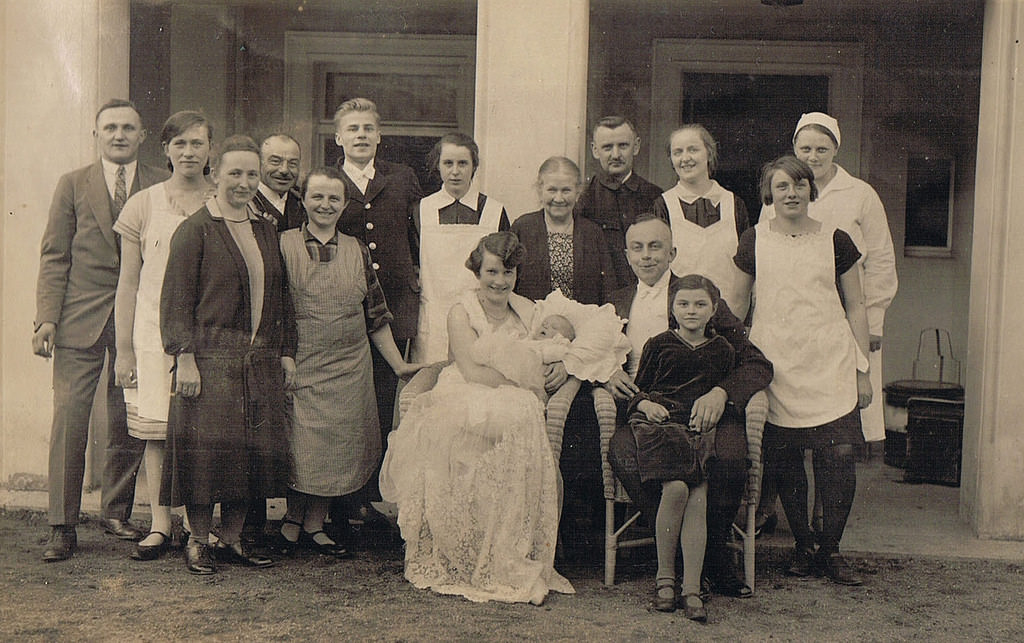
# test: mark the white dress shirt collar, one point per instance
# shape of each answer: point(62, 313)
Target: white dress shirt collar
point(110, 175)
point(360, 176)
point(276, 200)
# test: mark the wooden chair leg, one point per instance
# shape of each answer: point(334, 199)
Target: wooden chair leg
point(749, 545)
point(610, 542)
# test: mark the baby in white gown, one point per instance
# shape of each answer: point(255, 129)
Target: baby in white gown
point(523, 360)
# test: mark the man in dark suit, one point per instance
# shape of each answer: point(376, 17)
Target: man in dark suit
point(383, 213)
point(277, 200)
point(616, 194)
point(78, 271)
point(646, 306)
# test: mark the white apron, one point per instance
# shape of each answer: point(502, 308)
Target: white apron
point(800, 325)
point(708, 251)
point(443, 273)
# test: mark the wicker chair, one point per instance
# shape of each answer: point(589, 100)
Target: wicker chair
point(756, 412)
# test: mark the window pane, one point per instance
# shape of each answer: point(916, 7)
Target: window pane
point(408, 150)
point(419, 98)
point(752, 119)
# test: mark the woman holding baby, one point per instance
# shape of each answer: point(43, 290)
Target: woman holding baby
point(470, 467)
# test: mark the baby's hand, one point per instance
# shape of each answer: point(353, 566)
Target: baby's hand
point(655, 412)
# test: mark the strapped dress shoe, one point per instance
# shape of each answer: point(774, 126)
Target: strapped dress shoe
point(151, 552)
point(122, 529)
point(338, 550)
point(236, 554)
point(62, 543)
point(199, 559)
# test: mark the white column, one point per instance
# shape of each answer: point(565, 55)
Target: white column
point(60, 61)
point(531, 92)
point(992, 487)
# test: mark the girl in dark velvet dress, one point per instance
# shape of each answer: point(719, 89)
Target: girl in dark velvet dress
point(677, 367)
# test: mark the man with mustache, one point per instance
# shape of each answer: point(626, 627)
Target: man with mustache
point(277, 201)
point(616, 195)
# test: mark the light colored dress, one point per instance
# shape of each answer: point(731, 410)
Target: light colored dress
point(335, 432)
point(149, 218)
point(471, 470)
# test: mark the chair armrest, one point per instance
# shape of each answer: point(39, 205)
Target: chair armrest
point(756, 413)
point(421, 382)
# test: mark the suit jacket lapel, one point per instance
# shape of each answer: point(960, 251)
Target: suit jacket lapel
point(376, 184)
point(99, 200)
point(351, 191)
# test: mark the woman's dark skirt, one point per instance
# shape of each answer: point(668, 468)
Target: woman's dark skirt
point(842, 430)
point(229, 444)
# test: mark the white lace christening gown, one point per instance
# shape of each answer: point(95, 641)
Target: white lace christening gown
point(472, 473)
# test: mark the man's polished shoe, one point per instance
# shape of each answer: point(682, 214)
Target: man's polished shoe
point(237, 554)
point(835, 568)
point(198, 559)
point(121, 529)
point(62, 543)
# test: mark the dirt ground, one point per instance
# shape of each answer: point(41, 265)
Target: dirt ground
point(102, 595)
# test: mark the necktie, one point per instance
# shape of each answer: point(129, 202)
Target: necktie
point(120, 191)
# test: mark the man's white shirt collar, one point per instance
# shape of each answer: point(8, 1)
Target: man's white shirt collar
point(658, 288)
point(275, 199)
point(361, 177)
point(110, 174)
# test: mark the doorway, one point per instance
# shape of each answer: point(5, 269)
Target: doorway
point(749, 95)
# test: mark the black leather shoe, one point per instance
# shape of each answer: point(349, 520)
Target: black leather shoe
point(236, 554)
point(335, 549)
point(151, 552)
point(199, 559)
point(121, 529)
point(62, 543)
point(720, 576)
point(802, 564)
point(835, 568)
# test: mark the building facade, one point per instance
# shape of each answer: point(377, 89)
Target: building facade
point(925, 84)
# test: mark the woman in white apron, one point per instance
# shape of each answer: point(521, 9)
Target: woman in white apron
point(706, 219)
point(817, 341)
point(339, 308)
point(853, 206)
point(452, 220)
point(146, 225)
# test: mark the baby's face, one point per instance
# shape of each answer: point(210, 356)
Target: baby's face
point(556, 326)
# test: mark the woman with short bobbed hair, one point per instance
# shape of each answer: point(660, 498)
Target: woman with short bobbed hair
point(470, 466)
point(809, 320)
point(226, 317)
